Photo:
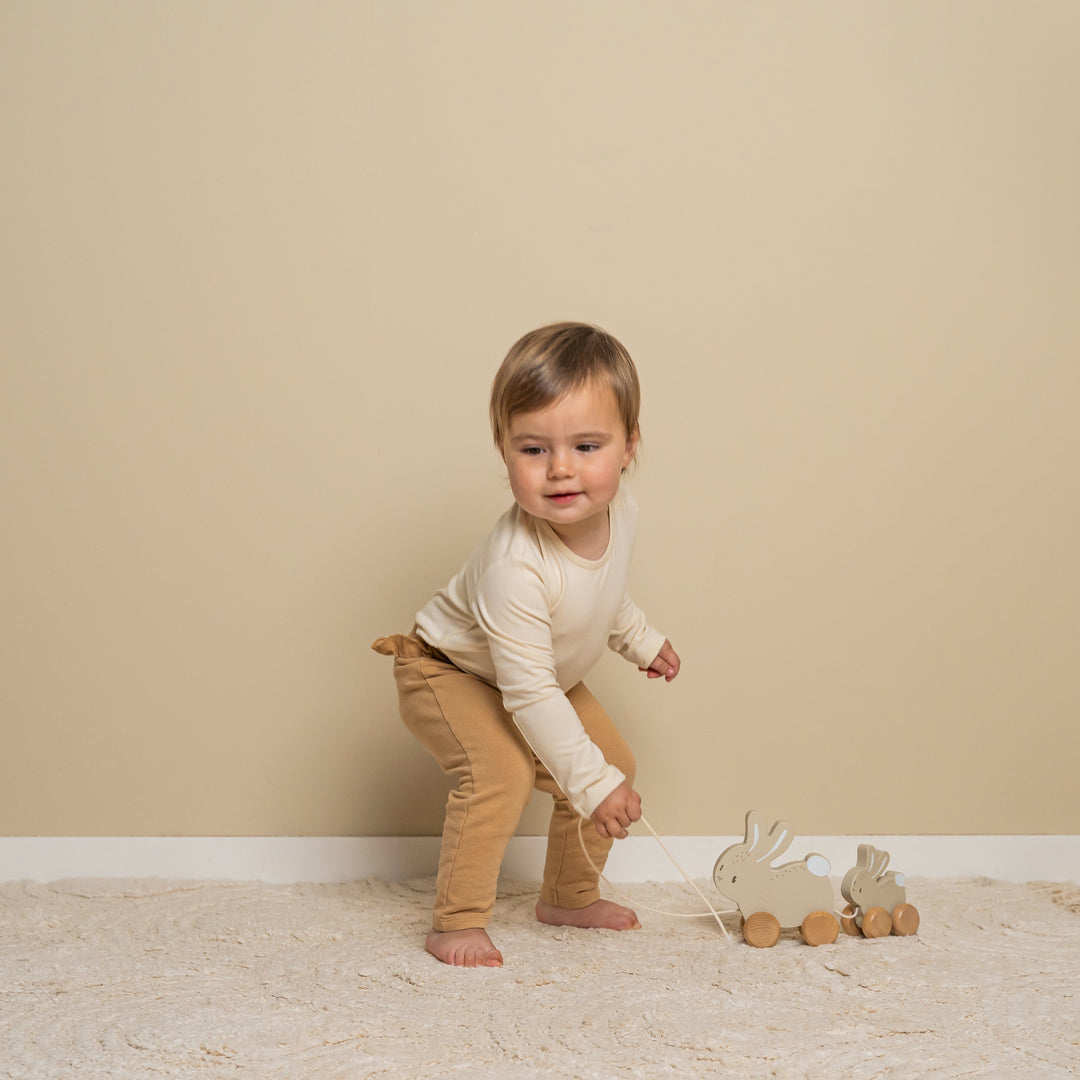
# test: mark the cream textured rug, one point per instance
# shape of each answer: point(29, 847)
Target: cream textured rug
point(209, 979)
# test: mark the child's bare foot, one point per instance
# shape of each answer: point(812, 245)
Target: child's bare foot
point(600, 914)
point(463, 948)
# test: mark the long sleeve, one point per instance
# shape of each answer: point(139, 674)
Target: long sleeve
point(512, 608)
point(632, 637)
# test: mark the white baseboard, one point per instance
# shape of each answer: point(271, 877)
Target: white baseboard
point(639, 858)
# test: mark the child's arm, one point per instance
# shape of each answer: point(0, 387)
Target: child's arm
point(632, 637)
point(512, 609)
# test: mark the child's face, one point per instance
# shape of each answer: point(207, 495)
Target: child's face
point(565, 462)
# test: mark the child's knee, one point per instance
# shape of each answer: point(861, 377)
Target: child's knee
point(513, 782)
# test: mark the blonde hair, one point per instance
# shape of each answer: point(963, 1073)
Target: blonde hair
point(549, 362)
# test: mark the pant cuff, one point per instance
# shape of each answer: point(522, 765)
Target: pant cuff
point(574, 902)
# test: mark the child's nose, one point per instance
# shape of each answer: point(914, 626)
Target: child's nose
point(560, 463)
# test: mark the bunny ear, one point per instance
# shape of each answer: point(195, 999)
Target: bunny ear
point(866, 856)
point(880, 861)
point(754, 828)
point(781, 835)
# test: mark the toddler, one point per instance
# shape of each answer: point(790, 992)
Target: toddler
point(489, 679)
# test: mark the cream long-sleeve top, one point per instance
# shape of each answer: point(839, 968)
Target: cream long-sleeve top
point(531, 617)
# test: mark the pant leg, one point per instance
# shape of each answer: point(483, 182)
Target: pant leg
point(461, 722)
point(569, 881)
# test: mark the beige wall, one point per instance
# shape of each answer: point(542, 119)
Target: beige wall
point(261, 259)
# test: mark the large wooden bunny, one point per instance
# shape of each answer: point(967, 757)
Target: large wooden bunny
point(774, 898)
point(877, 901)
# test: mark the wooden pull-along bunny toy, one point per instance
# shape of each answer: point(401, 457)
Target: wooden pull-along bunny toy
point(799, 894)
point(876, 901)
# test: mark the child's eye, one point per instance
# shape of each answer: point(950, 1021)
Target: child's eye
point(531, 451)
point(588, 448)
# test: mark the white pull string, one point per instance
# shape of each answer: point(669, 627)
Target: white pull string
point(689, 880)
point(673, 914)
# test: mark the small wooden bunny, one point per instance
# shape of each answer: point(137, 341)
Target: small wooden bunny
point(877, 901)
point(770, 899)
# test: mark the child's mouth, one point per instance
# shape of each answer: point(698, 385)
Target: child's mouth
point(564, 497)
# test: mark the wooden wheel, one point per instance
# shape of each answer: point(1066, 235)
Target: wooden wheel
point(905, 920)
point(820, 928)
point(876, 923)
point(761, 930)
point(847, 921)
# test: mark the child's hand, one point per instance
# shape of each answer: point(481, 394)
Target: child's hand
point(617, 812)
point(666, 665)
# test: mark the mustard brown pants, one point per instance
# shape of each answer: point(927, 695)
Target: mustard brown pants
point(460, 720)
